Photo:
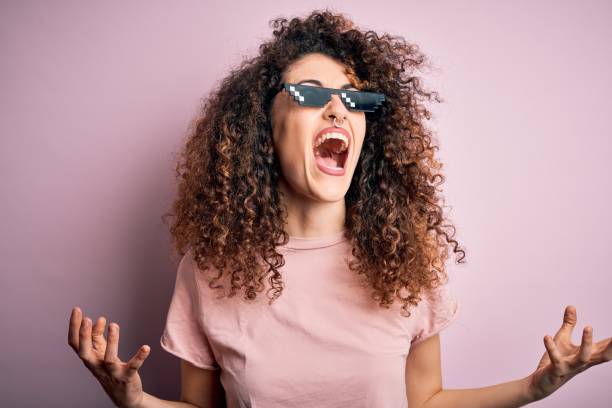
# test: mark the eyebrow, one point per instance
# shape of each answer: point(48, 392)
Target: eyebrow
point(317, 82)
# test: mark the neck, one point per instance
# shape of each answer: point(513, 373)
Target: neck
point(309, 218)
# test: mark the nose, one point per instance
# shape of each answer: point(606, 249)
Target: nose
point(335, 108)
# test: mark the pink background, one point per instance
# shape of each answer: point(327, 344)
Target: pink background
point(96, 98)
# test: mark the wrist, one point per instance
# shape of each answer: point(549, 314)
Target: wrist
point(529, 392)
point(144, 402)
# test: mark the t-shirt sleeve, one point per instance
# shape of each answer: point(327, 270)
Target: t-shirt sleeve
point(436, 311)
point(183, 335)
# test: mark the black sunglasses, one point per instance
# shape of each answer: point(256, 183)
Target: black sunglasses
point(307, 95)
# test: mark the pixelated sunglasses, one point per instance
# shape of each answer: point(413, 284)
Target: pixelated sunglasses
point(307, 95)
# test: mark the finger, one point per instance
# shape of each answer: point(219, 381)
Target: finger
point(586, 346)
point(569, 322)
point(136, 362)
point(73, 328)
point(554, 355)
point(607, 354)
point(85, 340)
point(602, 351)
point(111, 359)
point(97, 334)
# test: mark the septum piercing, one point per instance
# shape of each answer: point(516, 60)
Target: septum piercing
point(336, 125)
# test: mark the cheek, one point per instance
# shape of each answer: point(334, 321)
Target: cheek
point(360, 130)
point(298, 126)
point(290, 136)
point(359, 148)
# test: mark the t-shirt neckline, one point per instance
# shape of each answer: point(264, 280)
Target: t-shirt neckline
point(315, 242)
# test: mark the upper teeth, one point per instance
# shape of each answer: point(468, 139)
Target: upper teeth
point(333, 135)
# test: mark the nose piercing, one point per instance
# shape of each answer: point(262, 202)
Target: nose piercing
point(341, 123)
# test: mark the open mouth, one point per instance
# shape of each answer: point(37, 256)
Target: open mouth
point(331, 153)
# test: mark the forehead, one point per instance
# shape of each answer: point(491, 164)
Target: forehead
point(317, 66)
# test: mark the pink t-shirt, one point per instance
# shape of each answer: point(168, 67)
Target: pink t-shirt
point(323, 343)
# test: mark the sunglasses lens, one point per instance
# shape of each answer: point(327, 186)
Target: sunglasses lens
point(362, 101)
point(318, 97)
point(308, 95)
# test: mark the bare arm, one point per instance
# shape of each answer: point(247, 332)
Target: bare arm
point(507, 395)
point(424, 384)
point(200, 388)
point(150, 401)
point(560, 363)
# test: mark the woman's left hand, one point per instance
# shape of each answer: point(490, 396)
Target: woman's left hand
point(563, 359)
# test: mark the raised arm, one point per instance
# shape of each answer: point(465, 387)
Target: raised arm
point(561, 362)
point(121, 381)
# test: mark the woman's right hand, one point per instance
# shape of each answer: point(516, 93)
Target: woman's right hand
point(120, 380)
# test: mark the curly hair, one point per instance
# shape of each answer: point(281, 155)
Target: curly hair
point(228, 206)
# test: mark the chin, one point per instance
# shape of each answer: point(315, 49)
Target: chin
point(329, 192)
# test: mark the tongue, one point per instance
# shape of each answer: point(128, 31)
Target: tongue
point(328, 162)
point(328, 159)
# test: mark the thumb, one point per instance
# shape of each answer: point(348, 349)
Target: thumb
point(136, 362)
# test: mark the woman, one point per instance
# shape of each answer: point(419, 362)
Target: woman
point(311, 168)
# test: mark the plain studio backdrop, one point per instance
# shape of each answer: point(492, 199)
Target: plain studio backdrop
point(97, 98)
